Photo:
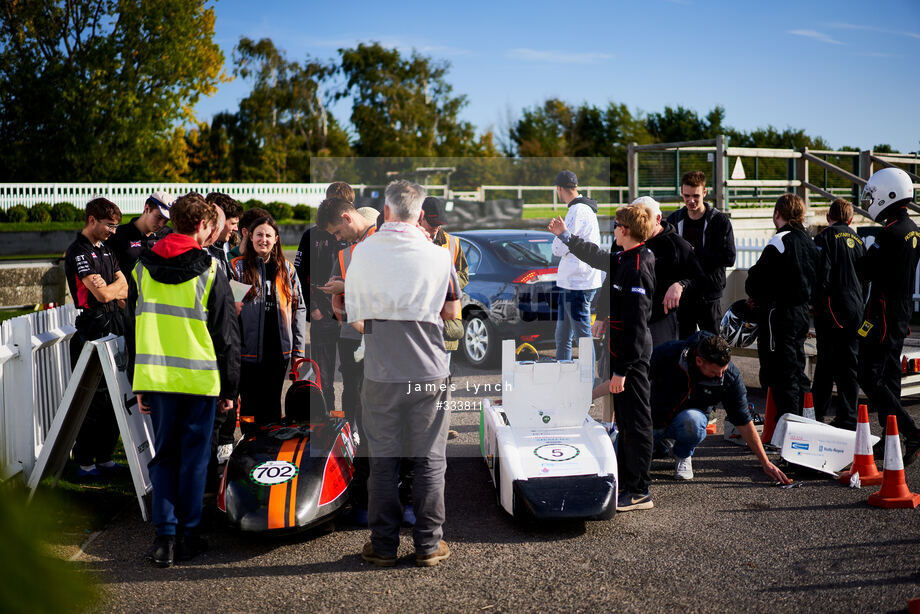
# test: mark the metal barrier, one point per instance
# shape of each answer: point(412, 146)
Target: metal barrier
point(34, 371)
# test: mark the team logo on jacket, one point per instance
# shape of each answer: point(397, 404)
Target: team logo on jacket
point(851, 243)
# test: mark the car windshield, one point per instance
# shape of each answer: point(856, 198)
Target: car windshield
point(527, 251)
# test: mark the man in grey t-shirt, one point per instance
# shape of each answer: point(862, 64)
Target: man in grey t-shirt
point(406, 390)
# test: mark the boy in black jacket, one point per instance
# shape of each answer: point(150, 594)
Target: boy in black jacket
point(710, 233)
point(889, 268)
point(781, 284)
point(631, 285)
point(838, 314)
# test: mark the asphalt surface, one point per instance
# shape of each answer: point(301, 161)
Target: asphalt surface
point(727, 541)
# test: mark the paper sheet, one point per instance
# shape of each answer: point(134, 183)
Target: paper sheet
point(239, 290)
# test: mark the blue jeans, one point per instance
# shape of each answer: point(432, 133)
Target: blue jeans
point(574, 319)
point(687, 429)
point(182, 426)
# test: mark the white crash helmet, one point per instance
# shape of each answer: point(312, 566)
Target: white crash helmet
point(739, 326)
point(886, 187)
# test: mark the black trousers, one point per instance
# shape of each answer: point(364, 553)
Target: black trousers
point(324, 341)
point(98, 434)
point(352, 378)
point(260, 391)
point(781, 350)
point(837, 364)
point(880, 379)
point(664, 329)
point(634, 423)
point(696, 312)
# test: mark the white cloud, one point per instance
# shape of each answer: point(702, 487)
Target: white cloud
point(557, 57)
point(853, 26)
point(815, 35)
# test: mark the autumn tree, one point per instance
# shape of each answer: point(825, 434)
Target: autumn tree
point(91, 90)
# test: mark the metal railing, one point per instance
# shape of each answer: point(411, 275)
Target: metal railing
point(34, 371)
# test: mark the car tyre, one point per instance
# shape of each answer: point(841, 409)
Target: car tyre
point(480, 343)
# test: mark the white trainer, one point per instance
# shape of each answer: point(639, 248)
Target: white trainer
point(683, 468)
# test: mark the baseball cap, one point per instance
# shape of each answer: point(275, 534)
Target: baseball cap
point(434, 212)
point(163, 201)
point(369, 213)
point(566, 179)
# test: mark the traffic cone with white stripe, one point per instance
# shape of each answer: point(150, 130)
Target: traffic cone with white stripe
point(894, 492)
point(808, 407)
point(769, 421)
point(863, 460)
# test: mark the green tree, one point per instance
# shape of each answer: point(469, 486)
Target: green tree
point(91, 89)
point(404, 106)
point(284, 116)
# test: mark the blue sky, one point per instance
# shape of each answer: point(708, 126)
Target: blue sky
point(843, 70)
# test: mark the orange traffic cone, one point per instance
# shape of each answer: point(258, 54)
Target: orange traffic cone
point(769, 420)
point(863, 460)
point(894, 492)
point(904, 364)
point(808, 407)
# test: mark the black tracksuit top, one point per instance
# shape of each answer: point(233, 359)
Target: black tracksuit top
point(889, 267)
point(784, 275)
point(631, 286)
point(839, 292)
point(717, 251)
point(674, 262)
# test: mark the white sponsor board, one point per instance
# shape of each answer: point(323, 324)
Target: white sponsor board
point(102, 360)
point(814, 444)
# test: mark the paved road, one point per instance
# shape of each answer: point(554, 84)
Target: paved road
point(727, 541)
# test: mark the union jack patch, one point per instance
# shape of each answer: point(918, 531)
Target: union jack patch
point(135, 243)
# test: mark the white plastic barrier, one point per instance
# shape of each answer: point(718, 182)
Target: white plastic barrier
point(34, 371)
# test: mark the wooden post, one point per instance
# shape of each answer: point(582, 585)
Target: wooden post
point(720, 193)
point(632, 171)
point(801, 172)
point(865, 164)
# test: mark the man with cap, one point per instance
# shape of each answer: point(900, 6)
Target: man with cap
point(140, 234)
point(577, 281)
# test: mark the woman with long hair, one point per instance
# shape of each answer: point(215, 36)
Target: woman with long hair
point(272, 322)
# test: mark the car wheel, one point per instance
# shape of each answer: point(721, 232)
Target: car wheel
point(480, 343)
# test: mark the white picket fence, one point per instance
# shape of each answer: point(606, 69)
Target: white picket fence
point(130, 197)
point(34, 371)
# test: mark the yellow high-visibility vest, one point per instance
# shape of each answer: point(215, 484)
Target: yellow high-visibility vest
point(174, 351)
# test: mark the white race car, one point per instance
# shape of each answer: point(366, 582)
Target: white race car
point(547, 456)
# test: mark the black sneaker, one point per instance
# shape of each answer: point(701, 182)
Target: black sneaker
point(162, 553)
point(190, 546)
point(628, 501)
point(911, 447)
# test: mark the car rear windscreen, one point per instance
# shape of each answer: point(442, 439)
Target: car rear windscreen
point(526, 251)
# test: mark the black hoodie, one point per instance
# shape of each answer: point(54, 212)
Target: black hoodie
point(223, 324)
point(585, 201)
point(674, 262)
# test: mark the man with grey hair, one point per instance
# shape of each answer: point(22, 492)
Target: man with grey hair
point(676, 269)
point(406, 391)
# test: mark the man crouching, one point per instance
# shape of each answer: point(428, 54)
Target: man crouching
point(688, 379)
point(399, 290)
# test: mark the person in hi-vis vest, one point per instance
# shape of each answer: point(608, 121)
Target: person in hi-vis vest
point(184, 364)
